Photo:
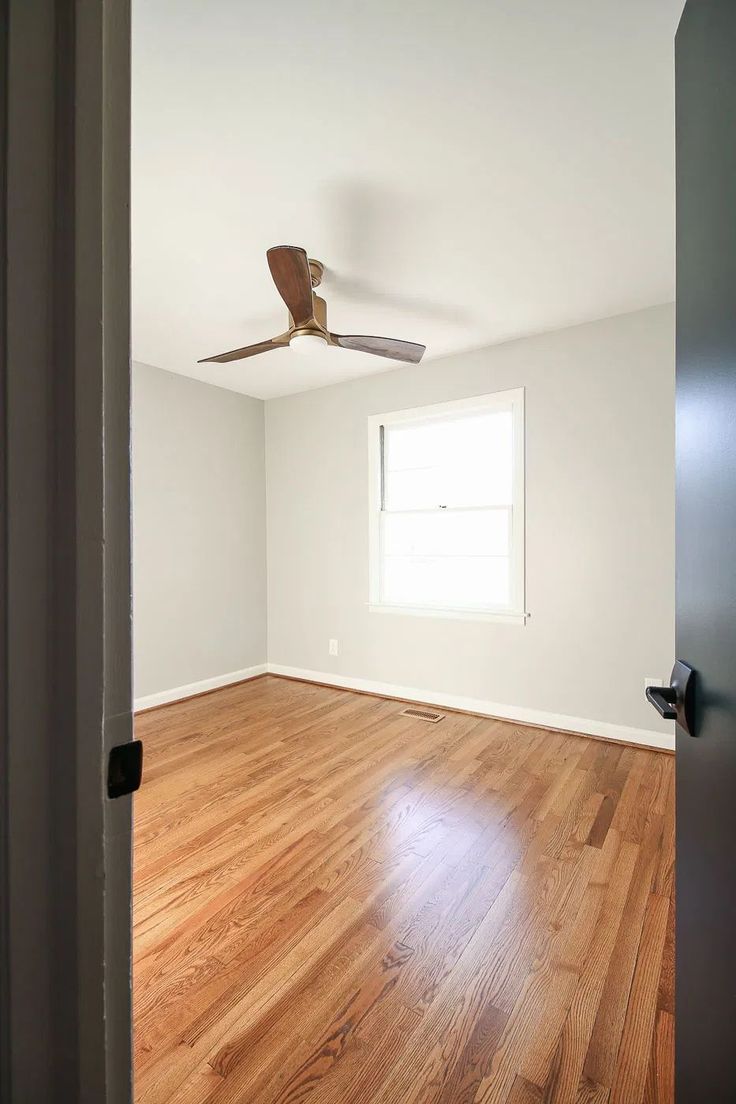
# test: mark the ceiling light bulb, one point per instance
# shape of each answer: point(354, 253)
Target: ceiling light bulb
point(308, 345)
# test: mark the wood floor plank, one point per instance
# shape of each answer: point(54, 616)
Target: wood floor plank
point(632, 1060)
point(602, 1057)
point(604, 905)
point(660, 1082)
point(339, 904)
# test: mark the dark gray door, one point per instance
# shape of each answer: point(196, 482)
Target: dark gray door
point(706, 550)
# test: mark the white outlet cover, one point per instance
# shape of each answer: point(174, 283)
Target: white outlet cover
point(654, 681)
point(333, 647)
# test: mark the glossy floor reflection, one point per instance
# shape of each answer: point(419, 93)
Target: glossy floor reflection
point(339, 904)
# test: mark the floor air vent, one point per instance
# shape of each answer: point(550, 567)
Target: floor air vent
point(422, 714)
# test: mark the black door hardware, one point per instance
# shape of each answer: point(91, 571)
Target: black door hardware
point(124, 769)
point(675, 702)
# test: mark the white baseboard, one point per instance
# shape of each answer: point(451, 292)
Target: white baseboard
point(583, 725)
point(177, 693)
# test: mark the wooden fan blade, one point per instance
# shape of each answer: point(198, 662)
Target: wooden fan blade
point(290, 270)
point(389, 347)
point(246, 351)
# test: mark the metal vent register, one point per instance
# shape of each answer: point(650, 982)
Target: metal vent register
point(422, 714)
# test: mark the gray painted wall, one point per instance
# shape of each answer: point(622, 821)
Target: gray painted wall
point(199, 539)
point(600, 527)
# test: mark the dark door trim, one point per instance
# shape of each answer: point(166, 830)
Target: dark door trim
point(65, 682)
point(4, 914)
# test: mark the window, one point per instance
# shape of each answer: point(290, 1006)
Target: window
point(447, 508)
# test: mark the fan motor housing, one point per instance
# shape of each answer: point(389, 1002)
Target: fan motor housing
point(316, 271)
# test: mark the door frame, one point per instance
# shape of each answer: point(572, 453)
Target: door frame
point(65, 595)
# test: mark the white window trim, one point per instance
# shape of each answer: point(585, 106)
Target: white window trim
point(500, 400)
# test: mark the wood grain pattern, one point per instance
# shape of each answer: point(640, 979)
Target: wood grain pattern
point(339, 904)
point(390, 347)
point(290, 271)
point(247, 351)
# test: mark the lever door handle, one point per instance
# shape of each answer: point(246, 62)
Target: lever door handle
point(676, 702)
point(663, 698)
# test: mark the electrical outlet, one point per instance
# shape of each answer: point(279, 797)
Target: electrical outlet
point(333, 647)
point(653, 681)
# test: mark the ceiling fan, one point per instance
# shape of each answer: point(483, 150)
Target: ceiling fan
point(295, 276)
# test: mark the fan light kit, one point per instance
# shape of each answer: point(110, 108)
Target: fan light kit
point(296, 276)
point(307, 344)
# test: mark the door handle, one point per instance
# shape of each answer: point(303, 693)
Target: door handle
point(676, 701)
point(663, 698)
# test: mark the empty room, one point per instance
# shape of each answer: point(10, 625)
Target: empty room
point(367, 507)
point(406, 825)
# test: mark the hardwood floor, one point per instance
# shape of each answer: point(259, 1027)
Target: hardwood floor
point(337, 903)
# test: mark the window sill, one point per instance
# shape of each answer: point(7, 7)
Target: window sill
point(455, 615)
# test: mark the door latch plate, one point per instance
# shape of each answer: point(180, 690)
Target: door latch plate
point(124, 769)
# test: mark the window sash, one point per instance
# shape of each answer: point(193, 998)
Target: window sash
point(480, 508)
point(508, 557)
point(379, 428)
point(448, 475)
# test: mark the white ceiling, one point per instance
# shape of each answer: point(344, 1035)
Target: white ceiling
point(467, 170)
